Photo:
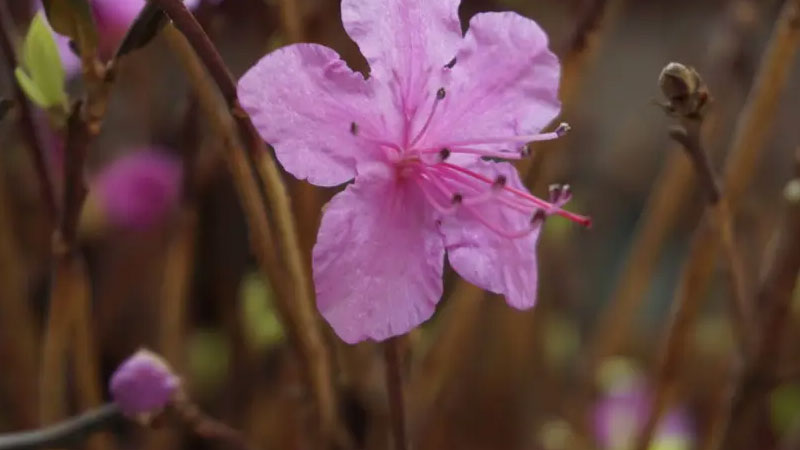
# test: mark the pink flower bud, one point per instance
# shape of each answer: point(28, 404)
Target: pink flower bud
point(143, 385)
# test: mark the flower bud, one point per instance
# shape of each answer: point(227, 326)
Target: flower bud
point(684, 89)
point(143, 385)
point(137, 190)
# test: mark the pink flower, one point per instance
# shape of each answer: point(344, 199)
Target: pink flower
point(113, 18)
point(415, 136)
point(143, 385)
point(621, 414)
point(137, 190)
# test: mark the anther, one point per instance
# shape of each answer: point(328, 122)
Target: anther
point(444, 154)
point(452, 63)
point(457, 199)
point(353, 128)
point(441, 94)
point(526, 150)
point(562, 129)
point(538, 218)
point(555, 192)
point(500, 182)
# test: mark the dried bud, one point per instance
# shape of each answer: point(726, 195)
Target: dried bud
point(143, 385)
point(686, 93)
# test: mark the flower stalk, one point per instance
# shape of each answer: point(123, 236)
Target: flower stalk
point(299, 321)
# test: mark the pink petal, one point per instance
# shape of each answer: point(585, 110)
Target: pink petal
point(490, 261)
point(379, 258)
point(303, 100)
point(405, 41)
point(504, 82)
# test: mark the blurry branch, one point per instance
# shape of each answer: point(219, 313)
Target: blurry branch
point(578, 54)
point(77, 429)
point(64, 433)
point(291, 20)
point(687, 99)
point(394, 386)
point(27, 123)
point(179, 264)
point(760, 372)
point(295, 302)
point(205, 426)
point(70, 329)
point(748, 142)
point(667, 198)
point(446, 357)
point(18, 328)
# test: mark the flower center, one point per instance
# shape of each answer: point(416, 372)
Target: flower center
point(450, 187)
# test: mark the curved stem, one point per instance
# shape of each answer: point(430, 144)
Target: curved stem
point(63, 433)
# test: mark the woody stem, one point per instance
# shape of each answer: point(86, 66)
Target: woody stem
point(394, 386)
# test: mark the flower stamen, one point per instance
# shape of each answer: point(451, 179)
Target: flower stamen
point(549, 207)
point(440, 95)
point(559, 132)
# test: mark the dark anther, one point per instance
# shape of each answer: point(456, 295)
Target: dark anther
point(440, 94)
point(500, 182)
point(562, 129)
point(457, 199)
point(452, 63)
point(555, 192)
point(538, 218)
point(353, 128)
point(492, 159)
point(566, 191)
point(526, 150)
point(444, 153)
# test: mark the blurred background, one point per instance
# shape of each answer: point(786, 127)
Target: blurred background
point(165, 245)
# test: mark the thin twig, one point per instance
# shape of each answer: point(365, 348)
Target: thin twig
point(64, 433)
point(18, 328)
point(689, 136)
point(661, 212)
point(27, 123)
point(748, 143)
point(760, 372)
point(443, 361)
point(208, 427)
point(394, 387)
point(302, 328)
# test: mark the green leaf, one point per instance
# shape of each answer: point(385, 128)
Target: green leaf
point(261, 324)
point(30, 88)
point(785, 406)
point(148, 23)
point(73, 18)
point(42, 63)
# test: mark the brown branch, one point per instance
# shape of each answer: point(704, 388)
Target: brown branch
point(394, 386)
point(760, 372)
point(18, 327)
point(208, 427)
point(749, 140)
point(662, 210)
point(39, 153)
point(298, 320)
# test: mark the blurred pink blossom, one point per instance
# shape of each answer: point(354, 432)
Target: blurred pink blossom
point(137, 190)
point(416, 136)
point(113, 18)
point(143, 385)
point(622, 412)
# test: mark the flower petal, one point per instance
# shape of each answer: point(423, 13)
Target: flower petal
point(379, 258)
point(405, 42)
point(303, 100)
point(504, 83)
point(496, 263)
